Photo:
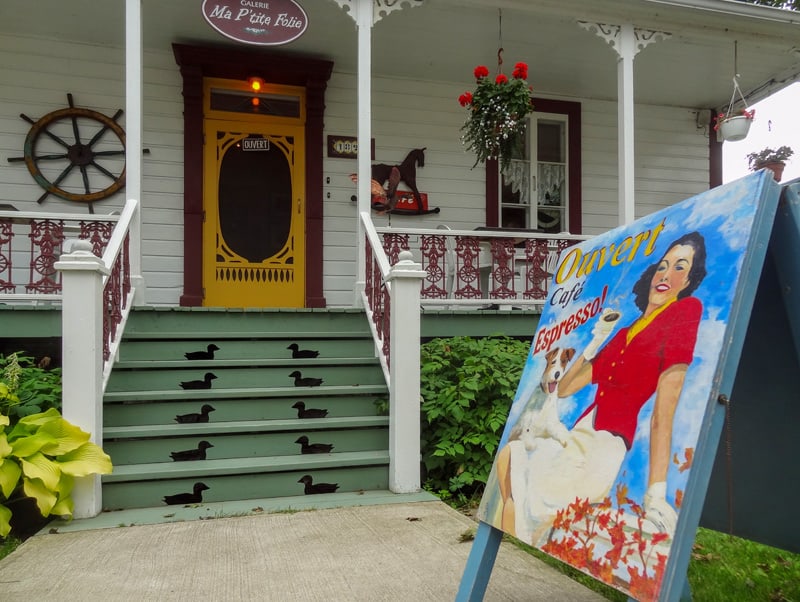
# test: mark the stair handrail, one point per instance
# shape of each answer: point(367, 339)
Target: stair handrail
point(118, 288)
point(376, 295)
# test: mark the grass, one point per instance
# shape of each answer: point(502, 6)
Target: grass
point(729, 568)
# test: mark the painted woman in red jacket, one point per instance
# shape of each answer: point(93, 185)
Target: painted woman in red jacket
point(649, 356)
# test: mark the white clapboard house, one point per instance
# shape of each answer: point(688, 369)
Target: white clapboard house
point(193, 173)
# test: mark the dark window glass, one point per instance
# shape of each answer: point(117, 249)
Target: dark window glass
point(255, 199)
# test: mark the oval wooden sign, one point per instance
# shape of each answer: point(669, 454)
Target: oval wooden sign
point(257, 21)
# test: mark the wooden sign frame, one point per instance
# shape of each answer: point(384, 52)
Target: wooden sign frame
point(570, 312)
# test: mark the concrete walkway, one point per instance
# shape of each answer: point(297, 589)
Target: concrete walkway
point(402, 551)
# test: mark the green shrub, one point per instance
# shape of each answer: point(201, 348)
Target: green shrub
point(467, 387)
point(26, 388)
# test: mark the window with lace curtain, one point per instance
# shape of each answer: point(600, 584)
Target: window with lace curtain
point(534, 190)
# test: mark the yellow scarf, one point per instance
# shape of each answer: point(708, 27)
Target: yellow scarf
point(644, 322)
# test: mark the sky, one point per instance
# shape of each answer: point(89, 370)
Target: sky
point(777, 123)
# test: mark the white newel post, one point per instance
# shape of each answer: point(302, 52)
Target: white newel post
point(82, 358)
point(404, 398)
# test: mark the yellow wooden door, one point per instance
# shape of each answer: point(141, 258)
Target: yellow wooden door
point(254, 201)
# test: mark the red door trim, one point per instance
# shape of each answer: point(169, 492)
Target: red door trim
point(197, 62)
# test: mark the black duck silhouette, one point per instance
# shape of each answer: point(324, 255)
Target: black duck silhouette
point(302, 412)
point(298, 353)
point(310, 488)
point(195, 497)
point(191, 454)
point(195, 417)
point(202, 355)
point(313, 448)
point(299, 381)
point(199, 384)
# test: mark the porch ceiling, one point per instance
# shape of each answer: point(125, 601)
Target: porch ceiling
point(445, 39)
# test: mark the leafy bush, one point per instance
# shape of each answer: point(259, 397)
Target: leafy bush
point(467, 387)
point(40, 458)
point(26, 388)
point(40, 452)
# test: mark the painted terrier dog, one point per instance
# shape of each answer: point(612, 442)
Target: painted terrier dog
point(539, 419)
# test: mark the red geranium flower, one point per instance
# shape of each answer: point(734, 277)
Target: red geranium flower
point(501, 79)
point(520, 71)
point(465, 99)
point(481, 71)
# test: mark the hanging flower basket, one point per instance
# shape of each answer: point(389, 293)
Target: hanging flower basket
point(735, 128)
point(497, 111)
point(734, 125)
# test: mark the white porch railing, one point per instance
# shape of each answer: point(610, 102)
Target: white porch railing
point(459, 268)
point(469, 268)
point(30, 244)
point(84, 265)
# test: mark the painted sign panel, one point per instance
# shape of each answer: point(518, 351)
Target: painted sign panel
point(259, 22)
point(594, 462)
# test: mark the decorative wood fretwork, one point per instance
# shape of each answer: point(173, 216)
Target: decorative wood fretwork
point(613, 34)
point(380, 8)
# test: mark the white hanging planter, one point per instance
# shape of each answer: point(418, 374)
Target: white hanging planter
point(735, 128)
point(734, 125)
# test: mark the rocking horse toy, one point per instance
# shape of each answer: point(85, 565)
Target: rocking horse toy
point(385, 200)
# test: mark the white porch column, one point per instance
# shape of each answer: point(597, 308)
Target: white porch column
point(82, 358)
point(404, 405)
point(627, 41)
point(133, 136)
point(364, 21)
point(366, 13)
point(625, 116)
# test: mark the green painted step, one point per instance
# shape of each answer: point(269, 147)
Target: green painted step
point(246, 409)
point(233, 466)
point(154, 347)
point(235, 486)
point(244, 445)
point(211, 395)
point(193, 321)
point(209, 428)
point(209, 510)
point(237, 378)
point(282, 363)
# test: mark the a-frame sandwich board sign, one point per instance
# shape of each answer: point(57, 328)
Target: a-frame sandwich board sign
point(610, 440)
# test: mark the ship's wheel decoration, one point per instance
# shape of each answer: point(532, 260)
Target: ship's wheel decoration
point(76, 154)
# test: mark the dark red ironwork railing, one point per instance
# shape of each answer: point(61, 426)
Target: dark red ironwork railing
point(31, 267)
point(467, 268)
point(378, 300)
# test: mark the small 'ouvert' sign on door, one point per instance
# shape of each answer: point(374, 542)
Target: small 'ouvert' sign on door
point(259, 22)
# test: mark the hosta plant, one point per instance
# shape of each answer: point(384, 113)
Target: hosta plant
point(40, 457)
